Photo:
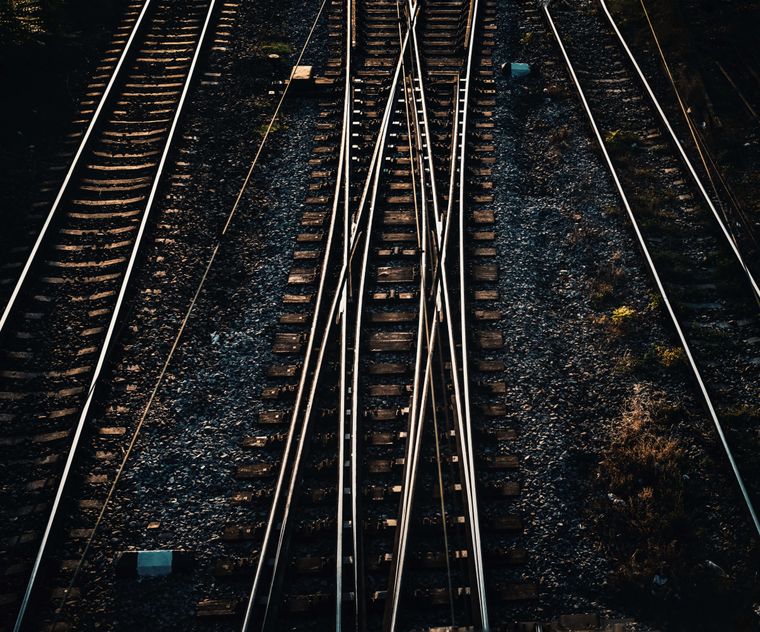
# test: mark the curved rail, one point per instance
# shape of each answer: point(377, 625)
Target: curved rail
point(302, 408)
point(475, 528)
point(461, 392)
point(653, 269)
point(266, 586)
point(419, 395)
point(113, 321)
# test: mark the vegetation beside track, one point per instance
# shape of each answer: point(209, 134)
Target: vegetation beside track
point(662, 563)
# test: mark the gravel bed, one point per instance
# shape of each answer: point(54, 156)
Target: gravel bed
point(558, 227)
point(181, 473)
point(559, 224)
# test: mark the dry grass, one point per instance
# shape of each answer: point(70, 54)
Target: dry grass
point(649, 520)
point(606, 279)
point(642, 473)
point(622, 315)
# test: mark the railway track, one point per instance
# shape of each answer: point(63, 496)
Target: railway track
point(707, 287)
point(64, 309)
point(375, 503)
point(735, 105)
point(23, 230)
point(365, 502)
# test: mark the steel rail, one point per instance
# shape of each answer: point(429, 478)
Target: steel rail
point(416, 418)
point(359, 306)
point(700, 145)
point(439, 467)
point(462, 401)
point(467, 438)
point(682, 153)
point(440, 288)
point(105, 347)
point(375, 167)
point(302, 382)
point(464, 429)
point(422, 236)
point(184, 321)
point(414, 438)
point(414, 428)
point(346, 158)
point(182, 326)
point(342, 452)
point(414, 425)
point(377, 152)
point(312, 394)
point(655, 275)
point(72, 167)
point(480, 593)
point(362, 283)
point(432, 342)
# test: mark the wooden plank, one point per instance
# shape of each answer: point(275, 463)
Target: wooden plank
point(397, 251)
point(261, 441)
point(490, 339)
point(394, 295)
point(313, 218)
point(302, 276)
point(306, 255)
point(399, 218)
point(392, 341)
point(283, 370)
point(273, 416)
point(485, 273)
point(285, 342)
point(390, 274)
point(310, 238)
point(241, 533)
point(393, 317)
point(501, 462)
point(294, 319)
point(297, 299)
point(388, 390)
point(383, 414)
point(501, 489)
point(486, 295)
point(517, 591)
point(504, 522)
point(490, 366)
point(381, 438)
point(401, 237)
point(256, 470)
point(388, 368)
point(493, 410)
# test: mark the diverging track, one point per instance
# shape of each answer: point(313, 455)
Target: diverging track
point(375, 506)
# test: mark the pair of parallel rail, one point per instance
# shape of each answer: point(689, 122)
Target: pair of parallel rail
point(700, 218)
point(64, 310)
